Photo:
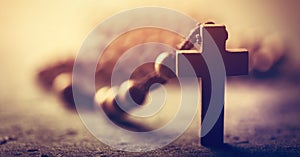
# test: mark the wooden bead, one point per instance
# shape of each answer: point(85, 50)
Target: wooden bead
point(127, 97)
point(165, 65)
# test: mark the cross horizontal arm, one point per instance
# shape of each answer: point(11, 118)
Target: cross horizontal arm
point(236, 62)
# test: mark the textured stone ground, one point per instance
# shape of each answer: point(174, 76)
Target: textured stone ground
point(264, 122)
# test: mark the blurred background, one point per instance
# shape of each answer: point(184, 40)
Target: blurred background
point(38, 35)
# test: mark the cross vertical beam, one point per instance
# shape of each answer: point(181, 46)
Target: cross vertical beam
point(235, 62)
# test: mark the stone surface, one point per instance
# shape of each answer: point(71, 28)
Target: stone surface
point(261, 119)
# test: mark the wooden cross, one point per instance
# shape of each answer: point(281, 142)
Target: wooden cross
point(235, 62)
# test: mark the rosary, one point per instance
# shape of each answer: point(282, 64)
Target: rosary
point(132, 92)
